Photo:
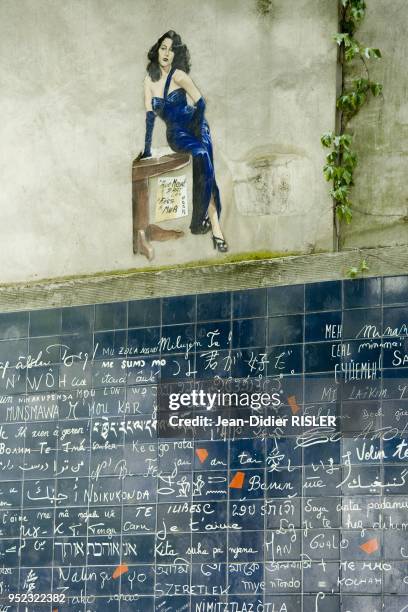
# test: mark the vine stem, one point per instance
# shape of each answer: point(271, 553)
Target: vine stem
point(365, 66)
point(340, 119)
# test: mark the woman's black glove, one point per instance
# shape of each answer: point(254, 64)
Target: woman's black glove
point(199, 112)
point(150, 118)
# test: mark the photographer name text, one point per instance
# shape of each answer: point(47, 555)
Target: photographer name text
point(252, 421)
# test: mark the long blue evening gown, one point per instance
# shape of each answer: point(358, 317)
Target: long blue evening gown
point(188, 133)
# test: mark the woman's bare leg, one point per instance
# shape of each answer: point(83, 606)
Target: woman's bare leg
point(215, 224)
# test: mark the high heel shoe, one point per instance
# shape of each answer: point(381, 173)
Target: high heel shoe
point(220, 244)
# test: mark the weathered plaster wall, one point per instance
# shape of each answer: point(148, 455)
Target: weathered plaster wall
point(71, 75)
point(381, 133)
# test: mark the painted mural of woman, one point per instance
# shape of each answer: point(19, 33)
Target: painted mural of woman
point(166, 84)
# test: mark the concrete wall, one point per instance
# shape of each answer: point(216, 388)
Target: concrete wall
point(73, 120)
point(381, 133)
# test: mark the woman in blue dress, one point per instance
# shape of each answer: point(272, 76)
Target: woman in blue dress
point(166, 85)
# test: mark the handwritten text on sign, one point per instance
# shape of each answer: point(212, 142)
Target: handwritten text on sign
point(171, 202)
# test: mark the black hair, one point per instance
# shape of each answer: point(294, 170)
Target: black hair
point(181, 55)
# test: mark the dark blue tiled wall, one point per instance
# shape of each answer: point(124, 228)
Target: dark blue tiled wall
point(100, 506)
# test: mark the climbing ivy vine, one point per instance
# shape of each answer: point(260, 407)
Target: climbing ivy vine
point(341, 161)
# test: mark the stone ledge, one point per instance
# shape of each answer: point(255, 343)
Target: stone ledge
point(130, 285)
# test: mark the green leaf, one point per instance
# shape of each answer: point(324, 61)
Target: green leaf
point(370, 52)
point(343, 103)
point(342, 37)
point(331, 157)
point(358, 14)
point(327, 139)
point(360, 99)
point(363, 266)
point(347, 177)
point(361, 85)
point(349, 55)
point(328, 171)
point(339, 212)
point(340, 194)
point(342, 178)
point(376, 88)
point(344, 212)
point(352, 49)
point(347, 213)
point(349, 159)
point(346, 140)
